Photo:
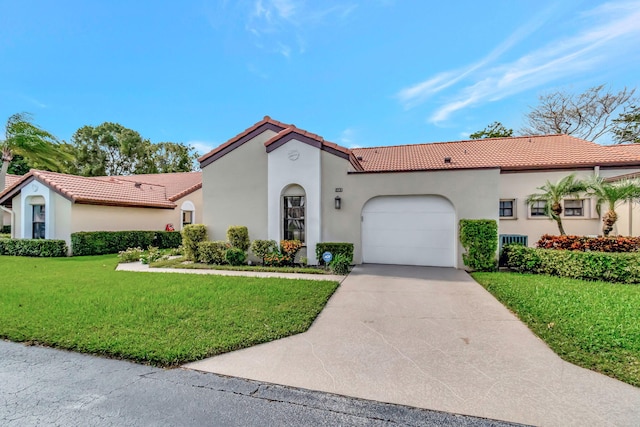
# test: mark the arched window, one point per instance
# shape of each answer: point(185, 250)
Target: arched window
point(293, 213)
point(188, 213)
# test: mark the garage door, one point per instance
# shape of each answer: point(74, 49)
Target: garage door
point(409, 230)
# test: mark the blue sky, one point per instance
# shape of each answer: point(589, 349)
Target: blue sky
point(360, 73)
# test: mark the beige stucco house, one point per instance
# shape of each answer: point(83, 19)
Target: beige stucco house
point(5, 214)
point(53, 205)
point(399, 204)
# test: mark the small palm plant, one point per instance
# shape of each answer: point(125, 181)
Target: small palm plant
point(612, 194)
point(553, 193)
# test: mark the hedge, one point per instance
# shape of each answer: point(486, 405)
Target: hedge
point(111, 242)
point(605, 266)
point(583, 243)
point(335, 248)
point(479, 237)
point(33, 247)
point(238, 236)
point(192, 235)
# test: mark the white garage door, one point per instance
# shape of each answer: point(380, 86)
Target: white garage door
point(409, 230)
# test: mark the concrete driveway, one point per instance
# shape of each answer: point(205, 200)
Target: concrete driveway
point(433, 338)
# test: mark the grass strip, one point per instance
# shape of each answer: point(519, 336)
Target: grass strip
point(595, 325)
point(179, 263)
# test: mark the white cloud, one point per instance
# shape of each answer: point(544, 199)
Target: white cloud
point(203, 147)
point(615, 34)
point(348, 138)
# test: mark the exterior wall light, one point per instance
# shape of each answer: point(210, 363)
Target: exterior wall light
point(338, 202)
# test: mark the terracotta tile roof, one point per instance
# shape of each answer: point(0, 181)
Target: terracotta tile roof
point(156, 191)
point(516, 153)
point(238, 137)
point(10, 180)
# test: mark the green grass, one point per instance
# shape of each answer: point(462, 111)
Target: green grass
point(178, 263)
point(595, 325)
point(82, 304)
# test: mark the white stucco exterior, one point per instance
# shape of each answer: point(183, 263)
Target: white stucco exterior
point(295, 163)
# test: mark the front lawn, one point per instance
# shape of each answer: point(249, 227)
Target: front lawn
point(595, 325)
point(83, 304)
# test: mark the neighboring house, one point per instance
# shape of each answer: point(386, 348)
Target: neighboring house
point(400, 204)
point(53, 205)
point(5, 215)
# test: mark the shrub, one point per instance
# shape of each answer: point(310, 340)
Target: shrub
point(212, 252)
point(290, 247)
point(167, 239)
point(261, 248)
point(235, 256)
point(112, 242)
point(192, 235)
point(336, 249)
point(130, 255)
point(584, 243)
point(479, 237)
point(340, 264)
point(153, 254)
point(609, 267)
point(238, 236)
point(277, 259)
point(33, 247)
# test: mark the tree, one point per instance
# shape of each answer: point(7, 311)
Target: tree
point(586, 115)
point(612, 194)
point(110, 149)
point(494, 130)
point(553, 193)
point(32, 143)
point(626, 128)
point(173, 157)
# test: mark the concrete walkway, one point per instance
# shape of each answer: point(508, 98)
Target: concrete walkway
point(140, 267)
point(433, 338)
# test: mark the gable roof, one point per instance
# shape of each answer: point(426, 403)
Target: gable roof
point(150, 191)
point(508, 154)
point(10, 180)
point(536, 152)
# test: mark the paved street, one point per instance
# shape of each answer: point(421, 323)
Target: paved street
point(47, 387)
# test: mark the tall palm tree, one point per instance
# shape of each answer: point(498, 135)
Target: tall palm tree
point(553, 193)
point(31, 142)
point(612, 194)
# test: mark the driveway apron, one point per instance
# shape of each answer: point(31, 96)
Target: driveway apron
point(433, 338)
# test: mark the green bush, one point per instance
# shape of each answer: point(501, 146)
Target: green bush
point(33, 247)
point(238, 236)
point(167, 239)
point(479, 237)
point(340, 265)
point(261, 248)
point(336, 249)
point(212, 252)
point(153, 254)
point(606, 266)
point(235, 256)
point(130, 255)
point(112, 242)
point(192, 235)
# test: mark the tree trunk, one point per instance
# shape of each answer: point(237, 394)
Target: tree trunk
point(3, 174)
point(608, 221)
point(560, 227)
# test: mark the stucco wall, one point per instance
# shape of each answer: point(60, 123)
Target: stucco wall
point(16, 203)
point(112, 218)
point(234, 190)
point(196, 199)
point(519, 185)
point(62, 226)
point(473, 194)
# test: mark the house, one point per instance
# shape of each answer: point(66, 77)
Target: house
point(54, 205)
point(5, 215)
point(397, 204)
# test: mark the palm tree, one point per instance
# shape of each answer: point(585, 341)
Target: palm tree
point(612, 194)
point(552, 194)
point(31, 142)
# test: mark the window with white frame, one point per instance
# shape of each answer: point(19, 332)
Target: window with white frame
point(293, 216)
point(574, 207)
point(507, 208)
point(538, 208)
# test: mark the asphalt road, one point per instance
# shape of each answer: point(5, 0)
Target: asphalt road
point(48, 387)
